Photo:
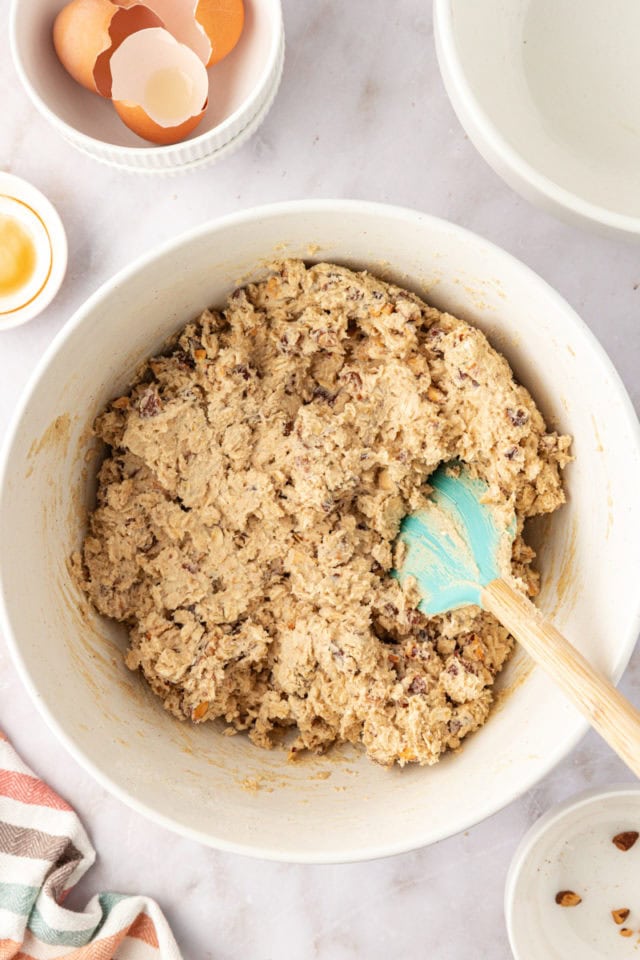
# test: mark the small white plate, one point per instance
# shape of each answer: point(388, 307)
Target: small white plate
point(37, 216)
point(571, 848)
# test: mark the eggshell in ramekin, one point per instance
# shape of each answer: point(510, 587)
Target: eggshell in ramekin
point(242, 89)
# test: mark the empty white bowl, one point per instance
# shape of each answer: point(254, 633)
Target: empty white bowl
point(570, 848)
point(243, 87)
point(222, 790)
point(548, 92)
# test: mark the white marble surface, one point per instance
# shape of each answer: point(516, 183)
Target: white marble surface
point(361, 113)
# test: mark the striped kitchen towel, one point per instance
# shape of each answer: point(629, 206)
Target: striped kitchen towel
point(43, 853)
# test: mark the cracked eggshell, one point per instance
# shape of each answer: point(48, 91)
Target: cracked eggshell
point(160, 86)
point(223, 23)
point(211, 28)
point(141, 124)
point(86, 33)
point(178, 16)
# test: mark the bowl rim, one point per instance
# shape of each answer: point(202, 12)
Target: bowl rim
point(537, 830)
point(94, 147)
point(577, 725)
point(496, 150)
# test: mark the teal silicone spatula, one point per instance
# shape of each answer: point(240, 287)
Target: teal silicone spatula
point(456, 550)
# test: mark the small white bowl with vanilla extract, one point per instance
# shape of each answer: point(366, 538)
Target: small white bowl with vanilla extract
point(33, 251)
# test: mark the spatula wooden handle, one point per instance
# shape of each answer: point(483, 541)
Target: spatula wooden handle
point(608, 712)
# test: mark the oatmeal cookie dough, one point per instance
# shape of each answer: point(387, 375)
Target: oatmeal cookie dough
point(256, 478)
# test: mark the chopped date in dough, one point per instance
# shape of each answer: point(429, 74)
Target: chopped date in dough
point(256, 477)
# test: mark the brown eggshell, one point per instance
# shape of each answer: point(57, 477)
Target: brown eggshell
point(140, 123)
point(80, 35)
point(86, 33)
point(180, 20)
point(223, 22)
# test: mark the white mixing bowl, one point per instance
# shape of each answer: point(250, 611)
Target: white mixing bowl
point(222, 790)
point(548, 92)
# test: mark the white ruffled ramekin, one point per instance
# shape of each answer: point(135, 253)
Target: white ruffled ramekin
point(248, 80)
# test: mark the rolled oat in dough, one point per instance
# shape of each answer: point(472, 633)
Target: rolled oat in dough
point(256, 478)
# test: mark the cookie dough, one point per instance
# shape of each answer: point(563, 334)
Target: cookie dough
point(256, 477)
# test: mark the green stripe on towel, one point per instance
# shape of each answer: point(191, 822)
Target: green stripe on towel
point(58, 938)
point(73, 938)
point(108, 901)
point(18, 898)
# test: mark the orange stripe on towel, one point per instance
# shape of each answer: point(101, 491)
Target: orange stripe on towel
point(8, 948)
point(98, 949)
point(143, 928)
point(29, 790)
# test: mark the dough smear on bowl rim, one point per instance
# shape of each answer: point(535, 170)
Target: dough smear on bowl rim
point(257, 475)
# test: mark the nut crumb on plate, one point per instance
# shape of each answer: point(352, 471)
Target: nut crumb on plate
point(619, 916)
point(568, 898)
point(625, 840)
